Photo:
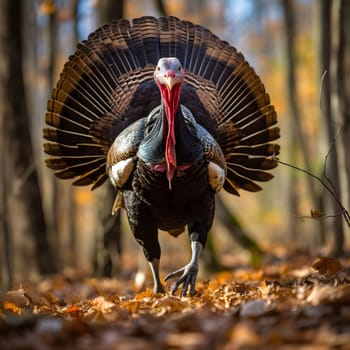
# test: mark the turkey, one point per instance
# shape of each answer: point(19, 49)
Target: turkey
point(171, 115)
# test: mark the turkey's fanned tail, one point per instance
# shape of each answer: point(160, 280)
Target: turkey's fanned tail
point(108, 84)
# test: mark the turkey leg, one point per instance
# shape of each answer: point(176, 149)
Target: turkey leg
point(188, 274)
point(157, 284)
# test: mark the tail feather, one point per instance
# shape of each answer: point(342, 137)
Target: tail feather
point(253, 174)
point(261, 137)
point(253, 163)
point(267, 150)
point(90, 90)
point(95, 75)
point(54, 119)
point(259, 122)
point(149, 37)
point(98, 173)
point(235, 177)
point(90, 150)
point(64, 172)
point(108, 84)
point(86, 108)
point(66, 137)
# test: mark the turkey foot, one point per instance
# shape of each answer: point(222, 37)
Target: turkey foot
point(188, 277)
point(187, 274)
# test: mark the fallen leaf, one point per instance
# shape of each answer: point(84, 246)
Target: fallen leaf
point(34, 297)
point(71, 309)
point(169, 305)
point(17, 297)
point(11, 307)
point(321, 294)
point(316, 214)
point(327, 266)
point(102, 305)
point(148, 293)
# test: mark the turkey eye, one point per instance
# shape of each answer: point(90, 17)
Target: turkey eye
point(179, 68)
point(158, 68)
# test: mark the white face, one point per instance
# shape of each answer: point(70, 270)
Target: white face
point(169, 72)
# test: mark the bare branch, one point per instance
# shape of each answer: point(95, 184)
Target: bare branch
point(328, 187)
point(326, 160)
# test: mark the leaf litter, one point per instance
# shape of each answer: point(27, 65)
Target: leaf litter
point(291, 303)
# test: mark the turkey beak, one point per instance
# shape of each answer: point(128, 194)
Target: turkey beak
point(170, 82)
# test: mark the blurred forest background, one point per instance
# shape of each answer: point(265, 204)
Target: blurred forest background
point(300, 49)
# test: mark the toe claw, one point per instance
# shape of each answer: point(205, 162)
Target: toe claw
point(187, 277)
point(178, 273)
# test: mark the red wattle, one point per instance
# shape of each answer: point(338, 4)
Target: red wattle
point(171, 99)
point(170, 154)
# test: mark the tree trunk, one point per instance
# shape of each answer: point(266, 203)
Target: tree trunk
point(298, 138)
point(6, 268)
point(64, 205)
point(23, 193)
point(343, 73)
point(107, 255)
point(111, 10)
point(328, 89)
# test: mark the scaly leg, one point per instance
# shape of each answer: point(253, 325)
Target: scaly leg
point(157, 284)
point(187, 275)
point(151, 250)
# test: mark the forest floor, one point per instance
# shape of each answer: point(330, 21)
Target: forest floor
point(290, 302)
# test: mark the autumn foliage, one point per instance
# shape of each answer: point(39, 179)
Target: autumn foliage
point(289, 300)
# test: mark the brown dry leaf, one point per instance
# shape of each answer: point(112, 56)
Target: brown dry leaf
point(131, 306)
point(320, 293)
point(316, 214)
point(250, 308)
point(266, 289)
point(323, 294)
point(102, 310)
point(327, 266)
point(145, 294)
point(102, 305)
point(72, 310)
point(11, 307)
point(17, 297)
point(34, 297)
point(169, 305)
point(213, 285)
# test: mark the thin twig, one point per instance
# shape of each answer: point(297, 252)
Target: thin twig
point(321, 88)
point(327, 186)
point(326, 160)
point(17, 185)
point(319, 216)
